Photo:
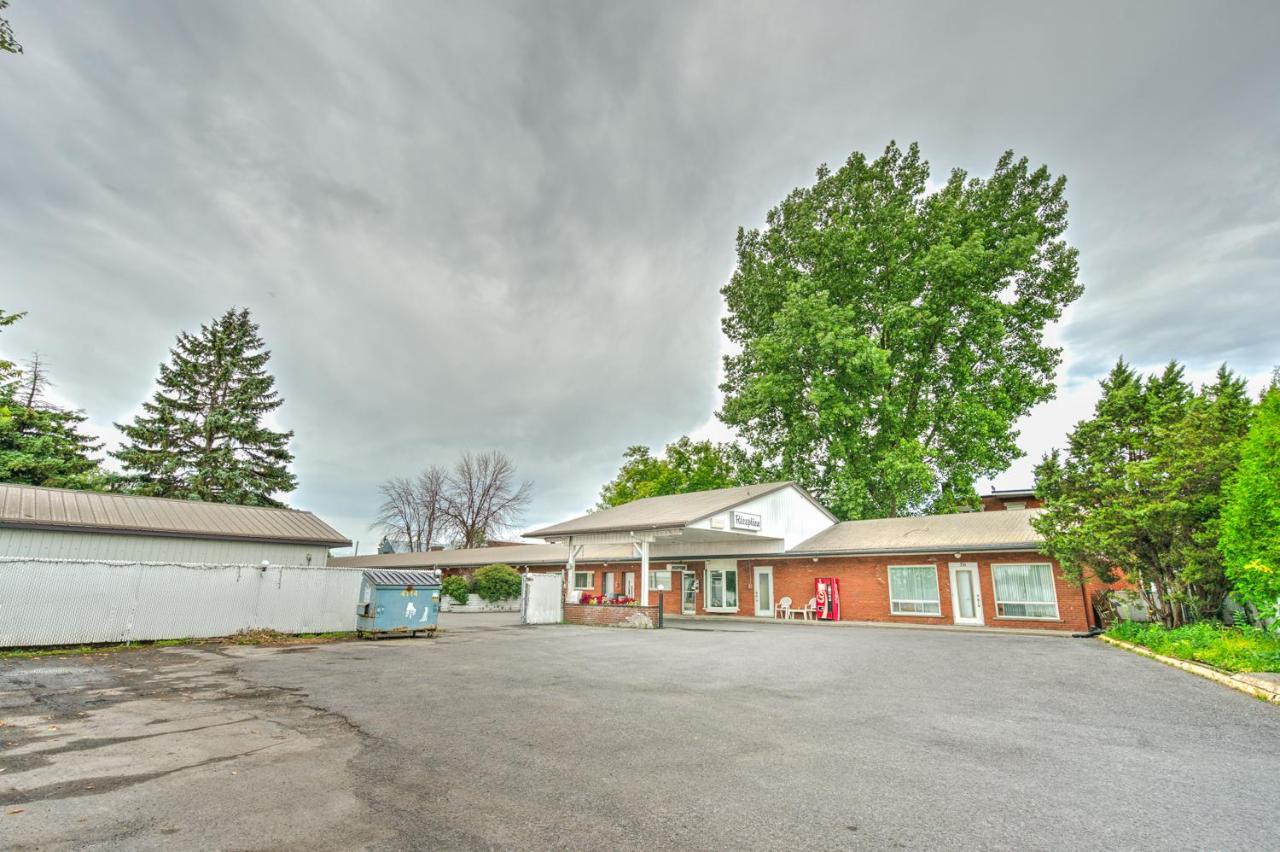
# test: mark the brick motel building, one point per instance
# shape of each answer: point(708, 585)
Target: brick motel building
point(766, 551)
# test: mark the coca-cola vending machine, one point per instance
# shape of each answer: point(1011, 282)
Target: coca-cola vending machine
point(827, 595)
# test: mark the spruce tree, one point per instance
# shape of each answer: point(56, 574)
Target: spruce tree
point(201, 435)
point(1139, 489)
point(41, 443)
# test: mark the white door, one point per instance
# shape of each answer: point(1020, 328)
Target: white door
point(542, 599)
point(688, 593)
point(966, 595)
point(606, 587)
point(721, 594)
point(764, 591)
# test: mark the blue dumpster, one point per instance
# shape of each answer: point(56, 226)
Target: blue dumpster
point(403, 603)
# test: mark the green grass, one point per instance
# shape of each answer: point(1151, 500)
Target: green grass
point(1233, 649)
point(65, 650)
point(257, 637)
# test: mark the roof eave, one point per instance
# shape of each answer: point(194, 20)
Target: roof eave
point(560, 536)
point(206, 536)
point(906, 551)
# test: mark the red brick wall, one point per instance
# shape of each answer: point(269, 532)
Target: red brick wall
point(670, 600)
point(864, 588)
point(606, 615)
point(998, 504)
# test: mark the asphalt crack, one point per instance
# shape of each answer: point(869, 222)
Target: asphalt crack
point(108, 783)
point(32, 760)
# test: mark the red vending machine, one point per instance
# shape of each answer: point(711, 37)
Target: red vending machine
point(827, 595)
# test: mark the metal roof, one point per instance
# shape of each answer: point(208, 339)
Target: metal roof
point(97, 511)
point(651, 513)
point(963, 531)
point(521, 554)
point(923, 534)
point(402, 578)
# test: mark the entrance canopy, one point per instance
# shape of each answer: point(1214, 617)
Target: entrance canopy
point(769, 518)
point(779, 511)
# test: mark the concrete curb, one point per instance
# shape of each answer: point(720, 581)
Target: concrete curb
point(888, 625)
point(1242, 682)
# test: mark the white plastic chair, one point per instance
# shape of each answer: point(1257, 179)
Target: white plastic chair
point(783, 607)
point(810, 610)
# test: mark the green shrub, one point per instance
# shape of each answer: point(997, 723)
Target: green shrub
point(498, 582)
point(456, 587)
point(1250, 529)
point(1235, 649)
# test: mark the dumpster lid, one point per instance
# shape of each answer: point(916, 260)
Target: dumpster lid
point(403, 578)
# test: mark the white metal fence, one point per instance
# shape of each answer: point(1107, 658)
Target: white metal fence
point(542, 599)
point(58, 602)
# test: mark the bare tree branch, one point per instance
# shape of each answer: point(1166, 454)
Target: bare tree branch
point(400, 517)
point(412, 510)
point(430, 488)
point(482, 497)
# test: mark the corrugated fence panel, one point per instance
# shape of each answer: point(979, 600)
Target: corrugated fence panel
point(59, 602)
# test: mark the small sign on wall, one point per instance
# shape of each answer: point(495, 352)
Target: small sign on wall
point(745, 521)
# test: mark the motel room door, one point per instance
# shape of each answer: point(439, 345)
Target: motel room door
point(966, 597)
point(764, 591)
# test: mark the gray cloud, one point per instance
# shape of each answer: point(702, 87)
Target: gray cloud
point(505, 225)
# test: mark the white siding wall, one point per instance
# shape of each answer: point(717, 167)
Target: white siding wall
point(784, 514)
point(56, 544)
point(60, 602)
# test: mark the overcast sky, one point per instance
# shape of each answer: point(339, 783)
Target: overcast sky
point(471, 225)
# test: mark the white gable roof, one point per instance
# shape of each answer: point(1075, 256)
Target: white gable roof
point(670, 512)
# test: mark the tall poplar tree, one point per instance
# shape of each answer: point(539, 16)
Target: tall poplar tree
point(202, 436)
point(891, 335)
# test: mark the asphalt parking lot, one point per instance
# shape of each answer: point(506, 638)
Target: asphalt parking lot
point(711, 736)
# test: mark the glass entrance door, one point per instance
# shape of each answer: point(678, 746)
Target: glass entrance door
point(722, 586)
point(688, 593)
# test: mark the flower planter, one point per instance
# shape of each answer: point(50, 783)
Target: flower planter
point(611, 615)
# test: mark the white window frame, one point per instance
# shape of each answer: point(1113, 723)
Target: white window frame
point(591, 580)
point(936, 588)
point(1053, 584)
point(707, 571)
point(653, 579)
point(1016, 506)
